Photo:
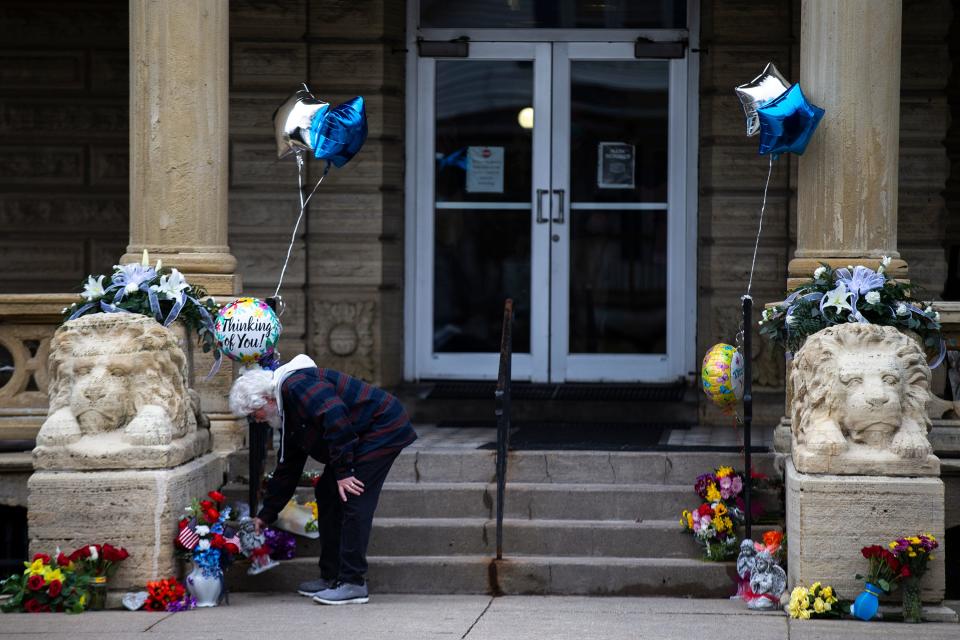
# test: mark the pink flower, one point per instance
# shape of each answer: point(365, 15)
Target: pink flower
point(736, 484)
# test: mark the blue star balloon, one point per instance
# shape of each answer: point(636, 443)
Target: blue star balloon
point(337, 134)
point(787, 122)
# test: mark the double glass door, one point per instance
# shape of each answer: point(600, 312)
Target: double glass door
point(552, 174)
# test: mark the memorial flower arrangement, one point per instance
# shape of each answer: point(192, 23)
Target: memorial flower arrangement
point(817, 601)
point(852, 294)
point(168, 595)
point(914, 554)
point(162, 294)
point(204, 534)
point(95, 560)
point(713, 523)
point(47, 584)
point(884, 567)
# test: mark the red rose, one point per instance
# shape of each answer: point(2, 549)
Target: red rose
point(183, 523)
point(55, 588)
point(905, 571)
point(35, 583)
point(113, 554)
point(32, 606)
point(212, 515)
point(217, 496)
point(62, 559)
point(42, 556)
point(232, 549)
point(217, 542)
point(206, 504)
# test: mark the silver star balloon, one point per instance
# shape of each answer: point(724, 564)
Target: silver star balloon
point(292, 119)
point(759, 91)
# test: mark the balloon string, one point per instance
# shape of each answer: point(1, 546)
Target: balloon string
point(763, 207)
point(303, 207)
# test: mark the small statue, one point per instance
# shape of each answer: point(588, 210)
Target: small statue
point(745, 562)
point(253, 545)
point(767, 582)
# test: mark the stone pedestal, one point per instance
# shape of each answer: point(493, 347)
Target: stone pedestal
point(831, 517)
point(135, 509)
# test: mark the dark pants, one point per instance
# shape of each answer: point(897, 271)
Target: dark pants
point(345, 526)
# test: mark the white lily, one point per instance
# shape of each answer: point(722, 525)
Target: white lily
point(171, 286)
point(902, 309)
point(838, 298)
point(790, 321)
point(145, 261)
point(93, 289)
point(818, 273)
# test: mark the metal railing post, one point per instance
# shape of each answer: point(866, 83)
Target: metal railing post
point(502, 411)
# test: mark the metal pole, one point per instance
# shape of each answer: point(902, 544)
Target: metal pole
point(747, 410)
point(502, 411)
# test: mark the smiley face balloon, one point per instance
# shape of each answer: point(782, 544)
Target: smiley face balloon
point(247, 330)
point(722, 376)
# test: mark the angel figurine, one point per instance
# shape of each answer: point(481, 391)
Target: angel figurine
point(745, 562)
point(767, 582)
point(253, 545)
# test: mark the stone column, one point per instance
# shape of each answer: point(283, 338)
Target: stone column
point(847, 190)
point(179, 71)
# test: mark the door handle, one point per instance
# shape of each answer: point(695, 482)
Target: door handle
point(540, 194)
point(559, 218)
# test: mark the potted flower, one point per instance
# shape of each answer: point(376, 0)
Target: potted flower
point(852, 294)
point(882, 574)
point(211, 546)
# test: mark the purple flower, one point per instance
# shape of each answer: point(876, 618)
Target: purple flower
point(188, 602)
point(726, 484)
point(736, 485)
point(282, 545)
point(703, 481)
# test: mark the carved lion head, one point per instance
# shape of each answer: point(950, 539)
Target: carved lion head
point(868, 379)
point(105, 367)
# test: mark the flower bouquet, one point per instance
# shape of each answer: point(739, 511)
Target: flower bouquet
point(162, 294)
point(46, 584)
point(98, 563)
point(211, 545)
point(300, 519)
point(914, 554)
point(168, 595)
point(817, 601)
point(852, 294)
point(712, 526)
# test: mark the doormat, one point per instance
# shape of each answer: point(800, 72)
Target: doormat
point(571, 392)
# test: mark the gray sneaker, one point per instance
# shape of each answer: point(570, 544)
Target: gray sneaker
point(344, 593)
point(311, 588)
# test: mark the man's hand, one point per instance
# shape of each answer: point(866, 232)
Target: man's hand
point(258, 526)
point(349, 485)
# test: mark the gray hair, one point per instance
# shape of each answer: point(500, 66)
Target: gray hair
point(251, 391)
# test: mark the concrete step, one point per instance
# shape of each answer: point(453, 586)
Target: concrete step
point(477, 536)
point(516, 575)
point(550, 467)
point(523, 500)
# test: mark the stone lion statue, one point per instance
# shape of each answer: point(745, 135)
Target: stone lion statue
point(859, 402)
point(118, 385)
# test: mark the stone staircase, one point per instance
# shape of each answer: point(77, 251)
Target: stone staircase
point(576, 522)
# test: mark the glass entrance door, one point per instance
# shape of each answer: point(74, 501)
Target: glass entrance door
point(551, 173)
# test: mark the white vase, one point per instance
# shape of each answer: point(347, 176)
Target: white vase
point(204, 588)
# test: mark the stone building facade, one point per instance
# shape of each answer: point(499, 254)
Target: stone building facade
point(64, 156)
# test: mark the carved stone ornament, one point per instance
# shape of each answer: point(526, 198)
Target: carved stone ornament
point(859, 403)
point(118, 397)
point(343, 337)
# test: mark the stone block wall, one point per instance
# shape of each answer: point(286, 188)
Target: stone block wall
point(732, 174)
point(63, 142)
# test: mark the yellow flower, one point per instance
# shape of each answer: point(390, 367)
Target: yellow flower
point(719, 525)
point(51, 575)
point(818, 605)
point(34, 568)
point(798, 593)
point(713, 494)
point(914, 540)
point(805, 614)
point(827, 593)
point(83, 599)
point(912, 554)
point(814, 587)
point(720, 510)
point(794, 609)
point(826, 605)
point(723, 472)
point(892, 545)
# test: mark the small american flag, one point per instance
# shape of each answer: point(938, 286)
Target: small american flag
point(235, 540)
point(188, 538)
